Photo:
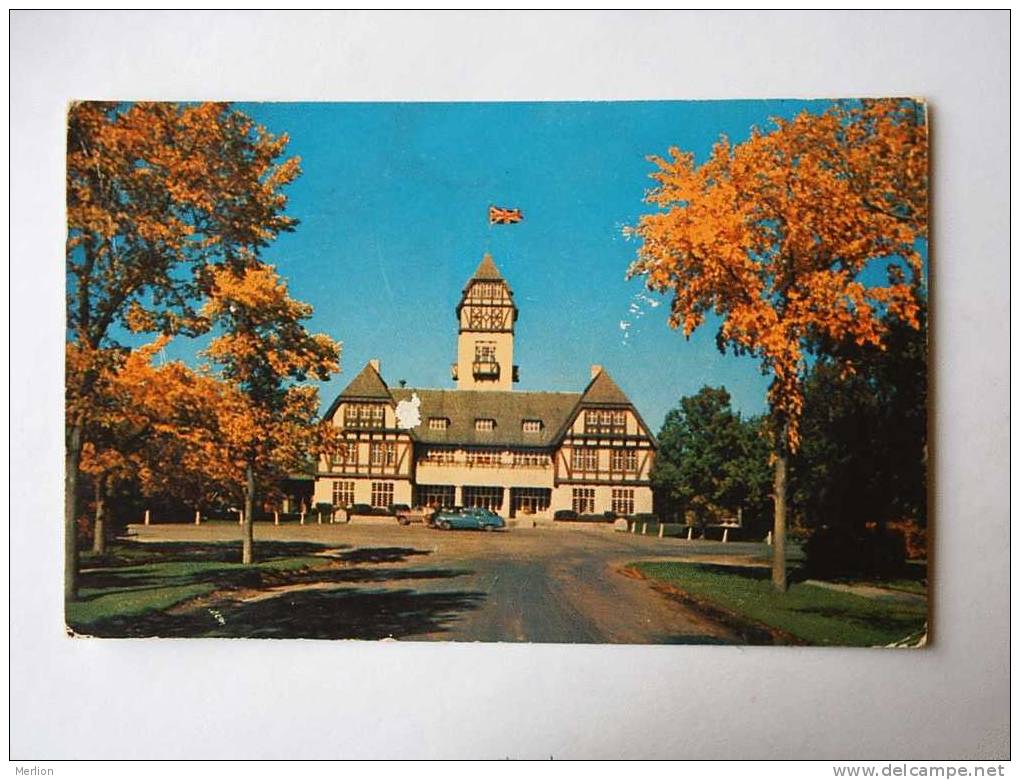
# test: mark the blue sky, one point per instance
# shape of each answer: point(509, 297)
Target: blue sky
point(393, 209)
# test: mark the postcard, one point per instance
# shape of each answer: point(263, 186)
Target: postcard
point(566, 372)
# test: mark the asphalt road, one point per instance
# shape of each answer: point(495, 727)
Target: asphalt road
point(523, 585)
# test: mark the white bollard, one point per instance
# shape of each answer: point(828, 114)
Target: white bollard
point(319, 515)
point(302, 517)
point(240, 518)
point(198, 517)
point(662, 530)
point(276, 517)
point(768, 539)
point(725, 535)
point(644, 529)
point(146, 516)
point(633, 527)
point(690, 532)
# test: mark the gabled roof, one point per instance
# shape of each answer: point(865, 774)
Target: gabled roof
point(509, 409)
point(603, 390)
point(367, 384)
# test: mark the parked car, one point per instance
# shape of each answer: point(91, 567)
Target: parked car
point(468, 517)
point(415, 514)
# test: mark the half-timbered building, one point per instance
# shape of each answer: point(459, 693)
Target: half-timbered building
point(482, 443)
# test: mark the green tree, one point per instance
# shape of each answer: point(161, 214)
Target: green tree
point(712, 463)
point(863, 457)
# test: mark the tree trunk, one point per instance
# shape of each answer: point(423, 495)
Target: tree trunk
point(99, 527)
point(779, 529)
point(72, 459)
point(247, 537)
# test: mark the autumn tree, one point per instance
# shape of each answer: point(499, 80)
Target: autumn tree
point(157, 194)
point(776, 237)
point(712, 463)
point(265, 353)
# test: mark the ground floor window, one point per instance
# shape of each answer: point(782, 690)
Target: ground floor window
point(584, 501)
point(343, 493)
point(623, 501)
point(529, 501)
point(382, 493)
point(483, 496)
point(436, 495)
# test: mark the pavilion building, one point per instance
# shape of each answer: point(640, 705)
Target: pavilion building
point(482, 443)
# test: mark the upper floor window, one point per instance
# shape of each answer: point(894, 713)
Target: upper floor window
point(485, 424)
point(364, 415)
point(438, 423)
point(382, 454)
point(531, 426)
point(345, 452)
point(623, 460)
point(584, 459)
point(485, 351)
point(605, 421)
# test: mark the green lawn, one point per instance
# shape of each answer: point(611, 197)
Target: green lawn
point(818, 616)
point(132, 579)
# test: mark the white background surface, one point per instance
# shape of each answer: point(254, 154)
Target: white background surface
point(305, 699)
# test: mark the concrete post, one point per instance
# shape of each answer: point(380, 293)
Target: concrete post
point(725, 535)
point(302, 517)
point(276, 517)
point(768, 539)
point(240, 517)
point(644, 529)
point(690, 532)
point(198, 517)
point(662, 530)
point(146, 516)
point(318, 515)
point(633, 527)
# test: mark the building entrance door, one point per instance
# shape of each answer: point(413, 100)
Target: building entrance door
point(529, 501)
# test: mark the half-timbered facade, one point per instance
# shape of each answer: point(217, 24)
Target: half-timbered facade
point(483, 443)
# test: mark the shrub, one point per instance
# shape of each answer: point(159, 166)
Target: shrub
point(360, 509)
point(845, 552)
point(645, 517)
point(564, 514)
point(380, 511)
point(609, 515)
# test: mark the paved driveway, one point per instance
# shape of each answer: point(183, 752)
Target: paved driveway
point(524, 585)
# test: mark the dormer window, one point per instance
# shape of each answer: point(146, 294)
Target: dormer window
point(438, 423)
point(531, 426)
point(364, 415)
point(485, 424)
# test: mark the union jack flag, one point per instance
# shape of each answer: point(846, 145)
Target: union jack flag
point(502, 216)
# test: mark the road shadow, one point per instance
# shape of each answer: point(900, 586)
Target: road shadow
point(342, 613)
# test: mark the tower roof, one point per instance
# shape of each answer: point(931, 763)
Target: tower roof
point(487, 270)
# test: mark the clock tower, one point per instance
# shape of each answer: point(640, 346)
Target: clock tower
point(485, 336)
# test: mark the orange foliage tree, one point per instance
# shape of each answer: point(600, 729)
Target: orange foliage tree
point(157, 194)
point(264, 353)
point(772, 236)
point(156, 427)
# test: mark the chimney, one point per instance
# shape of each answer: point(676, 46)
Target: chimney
point(596, 369)
point(374, 363)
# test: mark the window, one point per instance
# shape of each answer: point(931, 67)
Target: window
point(343, 493)
point(382, 493)
point(623, 501)
point(623, 461)
point(488, 497)
point(485, 424)
point(439, 456)
point(436, 495)
point(531, 426)
point(346, 454)
point(584, 459)
point(525, 459)
point(605, 421)
point(483, 457)
point(382, 453)
point(584, 501)
point(364, 416)
point(529, 501)
point(485, 351)
point(438, 423)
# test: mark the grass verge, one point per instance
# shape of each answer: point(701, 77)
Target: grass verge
point(809, 614)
